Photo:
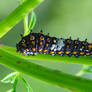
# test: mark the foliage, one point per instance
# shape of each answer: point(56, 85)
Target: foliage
point(13, 79)
point(22, 64)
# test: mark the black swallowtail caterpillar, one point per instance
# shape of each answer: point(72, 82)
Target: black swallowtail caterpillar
point(34, 43)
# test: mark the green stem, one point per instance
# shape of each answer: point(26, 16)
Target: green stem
point(15, 84)
point(26, 84)
point(18, 14)
point(48, 75)
point(41, 57)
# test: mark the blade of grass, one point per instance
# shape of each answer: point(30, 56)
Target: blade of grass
point(18, 14)
point(48, 75)
point(32, 21)
point(15, 84)
point(82, 60)
point(10, 78)
point(29, 89)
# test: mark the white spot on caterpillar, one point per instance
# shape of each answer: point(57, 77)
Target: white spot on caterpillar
point(60, 44)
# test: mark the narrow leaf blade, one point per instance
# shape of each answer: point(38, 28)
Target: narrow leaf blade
point(29, 89)
point(32, 21)
point(10, 78)
point(15, 84)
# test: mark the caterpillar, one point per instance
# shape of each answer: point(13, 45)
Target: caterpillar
point(34, 43)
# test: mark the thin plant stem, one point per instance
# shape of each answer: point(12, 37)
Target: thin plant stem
point(41, 57)
point(55, 77)
point(17, 15)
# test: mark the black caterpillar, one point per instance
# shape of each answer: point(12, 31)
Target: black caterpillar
point(35, 43)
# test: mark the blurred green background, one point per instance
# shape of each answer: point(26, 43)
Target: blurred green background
point(61, 18)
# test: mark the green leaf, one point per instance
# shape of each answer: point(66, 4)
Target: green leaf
point(29, 89)
point(32, 21)
point(10, 78)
